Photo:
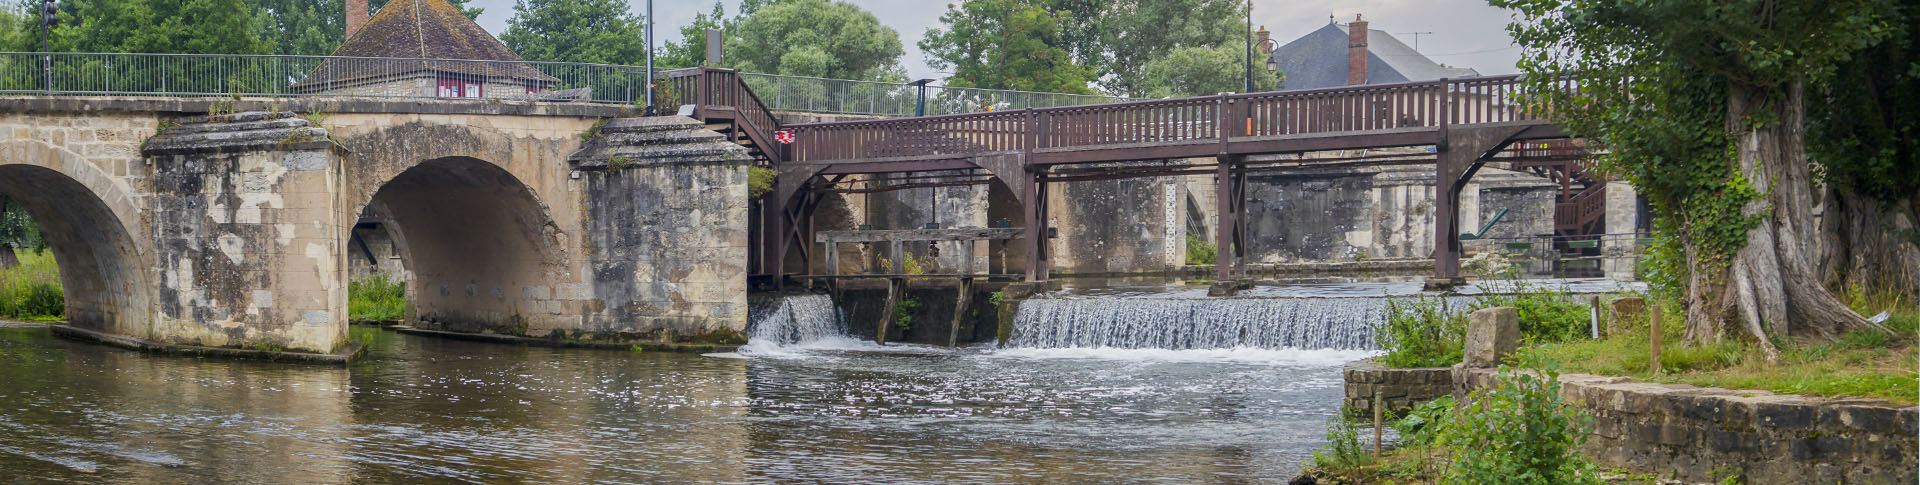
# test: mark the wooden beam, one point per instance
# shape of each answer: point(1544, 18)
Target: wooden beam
point(916, 235)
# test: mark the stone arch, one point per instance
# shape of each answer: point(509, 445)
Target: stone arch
point(94, 230)
point(484, 252)
point(1008, 185)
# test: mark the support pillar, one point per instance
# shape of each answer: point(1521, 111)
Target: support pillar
point(960, 311)
point(1036, 238)
point(1228, 227)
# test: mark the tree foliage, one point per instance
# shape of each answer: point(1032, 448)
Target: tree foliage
point(303, 27)
point(1200, 71)
point(594, 31)
point(1024, 45)
point(1698, 103)
point(1138, 36)
point(373, 6)
point(691, 49)
point(835, 40)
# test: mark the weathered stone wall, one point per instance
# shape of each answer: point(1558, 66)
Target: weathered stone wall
point(1348, 214)
point(244, 233)
point(1704, 434)
point(1399, 389)
point(1119, 226)
point(667, 227)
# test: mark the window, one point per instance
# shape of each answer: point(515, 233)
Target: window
point(458, 88)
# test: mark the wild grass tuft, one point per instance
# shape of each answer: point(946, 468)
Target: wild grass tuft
point(32, 290)
point(376, 298)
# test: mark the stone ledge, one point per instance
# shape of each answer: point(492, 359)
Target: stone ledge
point(346, 356)
point(1400, 389)
point(541, 342)
point(169, 104)
point(1697, 433)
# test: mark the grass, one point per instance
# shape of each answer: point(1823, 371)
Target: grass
point(377, 298)
point(1425, 332)
point(32, 290)
point(1201, 252)
point(1862, 363)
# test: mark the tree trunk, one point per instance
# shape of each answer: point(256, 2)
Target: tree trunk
point(1771, 286)
point(8, 260)
point(1870, 243)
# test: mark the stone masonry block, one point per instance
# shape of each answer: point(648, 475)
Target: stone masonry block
point(1492, 334)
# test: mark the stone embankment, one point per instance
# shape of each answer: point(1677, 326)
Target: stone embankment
point(1398, 389)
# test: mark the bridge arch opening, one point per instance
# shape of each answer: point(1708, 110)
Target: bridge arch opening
point(480, 251)
point(102, 276)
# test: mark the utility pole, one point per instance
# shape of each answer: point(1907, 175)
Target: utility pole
point(651, 109)
point(1249, 46)
point(1416, 38)
point(49, 15)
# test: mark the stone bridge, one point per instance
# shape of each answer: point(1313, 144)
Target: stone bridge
point(172, 225)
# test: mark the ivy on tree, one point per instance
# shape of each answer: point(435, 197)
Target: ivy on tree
point(1702, 105)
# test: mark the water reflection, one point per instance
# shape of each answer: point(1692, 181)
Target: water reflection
point(424, 408)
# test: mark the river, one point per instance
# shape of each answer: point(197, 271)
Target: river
point(829, 410)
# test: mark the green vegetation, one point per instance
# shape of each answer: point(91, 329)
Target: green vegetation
point(903, 312)
point(376, 298)
point(1199, 251)
point(1425, 332)
point(760, 181)
point(1421, 332)
point(1519, 430)
point(1704, 106)
point(1862, 363)
point(619, 162)
point(594, 31)
point(32, 291)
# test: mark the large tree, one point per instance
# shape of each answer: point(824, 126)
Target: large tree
point(472, 12)
point(160, 26)
point(1702, 105)
point(835, 40)
point(597, 31)
point(1200, 71)
point(1134, 34)
point(1026, 45)
point(691, 49)
point(1865, 135)
point(303, 27)
point(17, 231)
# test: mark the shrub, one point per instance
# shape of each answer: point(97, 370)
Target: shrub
point(1344, 452)
point(32, 291)
point(1520, 430)
point(1421, 332)
point(760, 181)
point(1199, 251)
point(1546, 316)
point(376, 298)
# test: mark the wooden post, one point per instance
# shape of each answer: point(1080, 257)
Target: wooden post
point(1596, 317)
point(1223, 228)
point(1378, 415)
point(1653, 321)
point(896, 289)
point(960, 311)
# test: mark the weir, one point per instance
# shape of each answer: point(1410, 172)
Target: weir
point(793, 319)
point(1202, 323)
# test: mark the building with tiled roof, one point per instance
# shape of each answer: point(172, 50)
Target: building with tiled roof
point(1343, 55)
point(384, 56)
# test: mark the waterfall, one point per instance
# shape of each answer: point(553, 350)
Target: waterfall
point(1209, 323)
point(793, 319)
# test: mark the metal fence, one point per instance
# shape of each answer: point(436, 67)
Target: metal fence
point(98, 74)
point(821, 95)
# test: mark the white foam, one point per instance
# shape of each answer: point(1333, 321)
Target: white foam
point(1289, 356)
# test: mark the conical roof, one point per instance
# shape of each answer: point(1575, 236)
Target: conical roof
point(420, 29)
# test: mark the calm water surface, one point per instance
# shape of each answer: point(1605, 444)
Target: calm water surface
point(441, 410)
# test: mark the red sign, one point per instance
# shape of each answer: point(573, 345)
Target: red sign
point(783, 136)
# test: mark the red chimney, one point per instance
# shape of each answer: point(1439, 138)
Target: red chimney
point(356, 16)
point(1260, 39)
point(1357, 51)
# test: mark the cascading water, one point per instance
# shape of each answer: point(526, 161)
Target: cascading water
point(1204, 323)
point(793, 319)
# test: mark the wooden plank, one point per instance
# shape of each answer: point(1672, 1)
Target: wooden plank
point(960, 311)
point(896, 289)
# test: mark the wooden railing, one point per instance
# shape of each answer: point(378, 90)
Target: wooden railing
point(721, 92)
point(1412, 106)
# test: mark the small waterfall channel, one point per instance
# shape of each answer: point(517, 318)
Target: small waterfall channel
point(793, 319)
point(1341, 323)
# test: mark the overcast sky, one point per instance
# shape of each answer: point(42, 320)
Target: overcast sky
point(1463, 32)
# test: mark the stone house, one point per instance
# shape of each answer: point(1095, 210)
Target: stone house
point(384, 56)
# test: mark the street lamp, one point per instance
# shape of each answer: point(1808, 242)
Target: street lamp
point(49, 15)
point(651, 109)
point(920, 107)
point(1249, 46)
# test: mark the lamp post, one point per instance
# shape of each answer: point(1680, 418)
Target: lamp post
point(1249, 46)
point(651, 109)
point(49, 15)
point(920, 107)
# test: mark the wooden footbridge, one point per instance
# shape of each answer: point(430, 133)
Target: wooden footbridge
point(1467, 122)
